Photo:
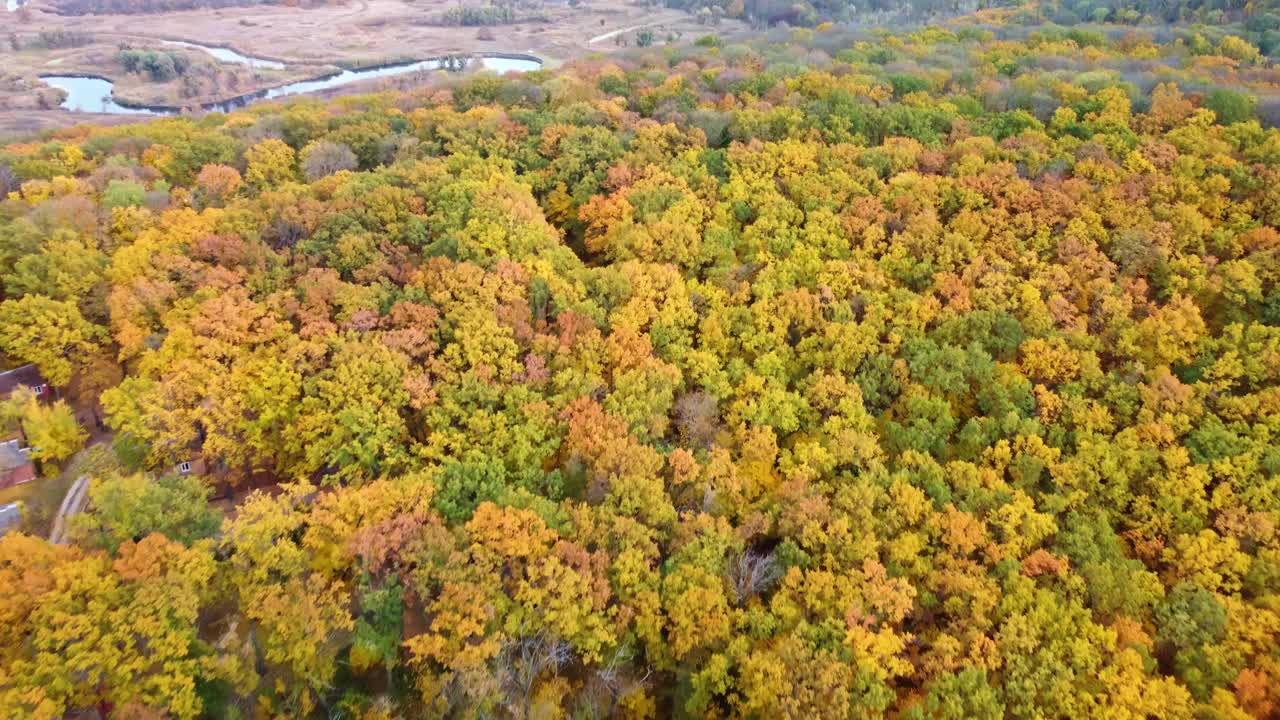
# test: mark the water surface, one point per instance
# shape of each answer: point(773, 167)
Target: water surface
point(90, 94)
point(503, 64)
point(227, 55)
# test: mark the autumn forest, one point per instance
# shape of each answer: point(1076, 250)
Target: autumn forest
point(915, 374)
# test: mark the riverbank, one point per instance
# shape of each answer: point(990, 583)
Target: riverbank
point(311, 43)
point(95, 94)
point(203, 79)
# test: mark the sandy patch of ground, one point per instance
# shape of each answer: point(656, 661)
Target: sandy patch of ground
point(613, 33)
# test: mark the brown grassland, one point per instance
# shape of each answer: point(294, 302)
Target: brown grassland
point(313, 41)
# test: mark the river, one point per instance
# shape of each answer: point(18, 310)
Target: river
point(90, 94)
point(94, 94)
point(227, 55)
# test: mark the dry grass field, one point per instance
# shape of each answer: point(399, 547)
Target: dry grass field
point(312, 41)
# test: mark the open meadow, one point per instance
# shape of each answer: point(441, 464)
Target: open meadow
point(271, 45)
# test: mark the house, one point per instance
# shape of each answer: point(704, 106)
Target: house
point(26, 375)
point(194, 465)
point(16, 466)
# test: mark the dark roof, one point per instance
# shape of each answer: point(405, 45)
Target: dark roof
point(12, 456)
point(26, 375)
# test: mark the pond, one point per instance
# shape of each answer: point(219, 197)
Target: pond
point(227, 55)
point(503, 64)
point(90, 94)
point(94, 94)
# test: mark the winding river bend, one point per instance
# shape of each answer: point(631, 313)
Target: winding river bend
point(91, 94)
point(227, 55)
point(87, 93)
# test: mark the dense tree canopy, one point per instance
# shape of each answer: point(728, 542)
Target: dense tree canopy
point(893, 377)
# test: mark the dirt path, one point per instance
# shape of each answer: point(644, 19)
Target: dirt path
point(612, 33)
point(73, 504)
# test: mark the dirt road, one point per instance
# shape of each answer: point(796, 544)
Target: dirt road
point(612, 33)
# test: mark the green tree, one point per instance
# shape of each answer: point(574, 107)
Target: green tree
point(124, 508)
point(1230, 106)
point(965, 695)
point(461, 487)
point(123, 193)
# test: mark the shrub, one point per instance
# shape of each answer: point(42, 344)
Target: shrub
point(473, 15)
point(123, 193)
point(159, 66)
point(1230, 106)
point(907, 84)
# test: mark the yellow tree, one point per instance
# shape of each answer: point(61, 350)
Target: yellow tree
point(53, 432)
point(271, 163)
point(105, 632)
point(50, 333)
